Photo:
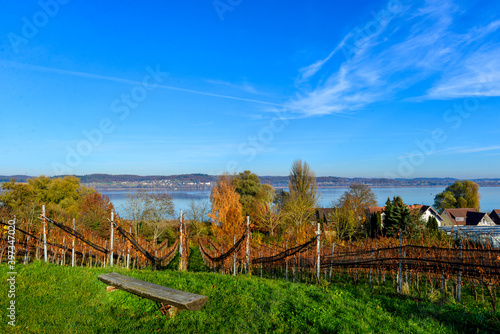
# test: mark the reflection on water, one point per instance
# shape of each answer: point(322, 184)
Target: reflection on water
point(490, 197)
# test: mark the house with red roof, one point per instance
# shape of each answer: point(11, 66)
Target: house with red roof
point(466, 216)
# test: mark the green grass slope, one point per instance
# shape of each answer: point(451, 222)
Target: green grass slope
point(56, 299)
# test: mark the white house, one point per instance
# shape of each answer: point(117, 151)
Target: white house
point(428, 212)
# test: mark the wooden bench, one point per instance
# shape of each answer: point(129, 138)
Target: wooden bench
point(171, 300)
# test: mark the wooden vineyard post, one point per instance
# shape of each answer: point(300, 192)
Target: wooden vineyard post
point(181, 246)
point(331, 264)
point(371, 267)
point(156, 254)
point(400, 271)
point(83, 254)
point(234, 256)
point(105, 257)
point(111, 241)
point(261, 264)
point(318, 252)
point(64, 252)
point(213, 262)
point(128, 247)
point(44, 234)
point(37, 252)
point(27, 254)
point(182, 264)
point(286, 263)
point(247, 256)
point(73, 247)
point(459, 280)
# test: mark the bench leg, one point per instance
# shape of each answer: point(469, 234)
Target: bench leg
point(168, 310)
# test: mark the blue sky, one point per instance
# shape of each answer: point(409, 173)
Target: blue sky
point(356, 89)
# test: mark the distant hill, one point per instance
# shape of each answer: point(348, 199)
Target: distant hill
point(18, 178)
point(206, 181)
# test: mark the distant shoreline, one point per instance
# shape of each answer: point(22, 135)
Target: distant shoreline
point(276, 187)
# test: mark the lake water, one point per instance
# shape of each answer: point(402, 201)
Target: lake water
point(490, 197)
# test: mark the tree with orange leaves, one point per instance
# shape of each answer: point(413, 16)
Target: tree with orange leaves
point(226, 212)
point(96, 210)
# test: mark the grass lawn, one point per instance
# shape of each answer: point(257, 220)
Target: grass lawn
point(57, 299)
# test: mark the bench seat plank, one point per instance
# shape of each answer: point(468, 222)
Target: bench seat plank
point(159, 293)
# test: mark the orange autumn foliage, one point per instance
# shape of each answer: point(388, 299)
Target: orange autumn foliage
point(226, 212)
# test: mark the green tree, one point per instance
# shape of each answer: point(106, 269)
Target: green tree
point(251, 191)
point(461, 194)
point(397, 216)
point(19, 199)
point(248, 185)
point(280, 198)
point(432, 225)
point(346, 223)
point(298, 208)
point(61, 196)
point(375, 225)
point(433, 230)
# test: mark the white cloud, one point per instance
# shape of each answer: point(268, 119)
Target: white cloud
point(419, 46)
point(477, 75)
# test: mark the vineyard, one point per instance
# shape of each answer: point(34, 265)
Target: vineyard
point(444, 265)
point(64, 245)
point(450, 264)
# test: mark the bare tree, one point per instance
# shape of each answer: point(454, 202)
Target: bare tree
point(135, 208)
point(359, 198)
point(151, 211)
point(268, 216)
point(198, 211)
point(351, 212)
point(159, 208)
point(197, 216)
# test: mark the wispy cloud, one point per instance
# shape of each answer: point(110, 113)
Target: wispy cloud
point(129, 82)
point(415, 51)
point(309, 71)
point(246, 87)
point(456, 150)
point(477, 75)
point(468, 150)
